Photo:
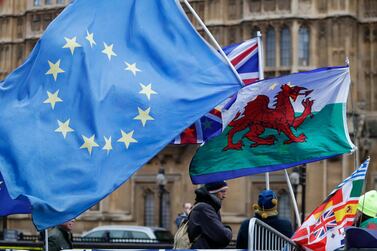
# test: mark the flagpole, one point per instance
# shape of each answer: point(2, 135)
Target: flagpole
point(261, 77)
point(213, 40)
point(298, 218)
point(355, 127)
point(46, 239)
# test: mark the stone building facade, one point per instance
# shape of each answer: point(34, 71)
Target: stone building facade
point(298, 35)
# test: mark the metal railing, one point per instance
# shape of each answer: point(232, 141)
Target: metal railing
point(34, 243)
point(263, 237)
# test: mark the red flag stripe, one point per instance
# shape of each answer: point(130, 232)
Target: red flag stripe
point(241, 56)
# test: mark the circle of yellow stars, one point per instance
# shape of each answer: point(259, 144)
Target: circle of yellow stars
point(53, 99)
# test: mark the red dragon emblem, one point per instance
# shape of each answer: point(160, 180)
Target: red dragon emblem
point(257, 116)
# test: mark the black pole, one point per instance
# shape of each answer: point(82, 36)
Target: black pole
point(161, 191)
point(4, 225)
point(303, 194)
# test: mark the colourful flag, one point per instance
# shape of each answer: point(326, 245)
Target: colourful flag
point(244, 57)
point(279, 123)
point(8, 205)
point(323, 229)
point(108, 85)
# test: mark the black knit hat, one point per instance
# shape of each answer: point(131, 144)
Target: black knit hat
point(215, 187)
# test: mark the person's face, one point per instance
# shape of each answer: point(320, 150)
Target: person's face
point(187, 208)
point(69, 225)
point(221, 194)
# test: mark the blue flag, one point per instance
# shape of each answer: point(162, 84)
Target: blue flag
point(9, 206)
point(107, 86)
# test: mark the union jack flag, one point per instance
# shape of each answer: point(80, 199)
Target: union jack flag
point(244, 58)
point(325, 222)
point(323, 229)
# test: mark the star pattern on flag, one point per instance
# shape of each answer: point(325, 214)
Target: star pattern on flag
point(71, 44)
point(132, 68)
point(147, 90)
point(108, 146)
point(90, 38)
point(89, 143)
point(144, 115)
point(64, 128)
point(127, 138)
point(52, 99)
point(1, 185)
point(272, 87)
point(108, 51)
point(54, 69)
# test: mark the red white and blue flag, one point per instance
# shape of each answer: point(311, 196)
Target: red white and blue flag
point(323, 229)
point(244, 57)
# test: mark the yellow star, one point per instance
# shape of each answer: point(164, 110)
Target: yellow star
point(127, 138)
point(71, 44)
point(147, 90)
point(108, 51)
point(54, 69)
point(272, 86)
point(64, 128)
point(89, 143)
point(108, 147)
point(52, 99)
point(132, 68)
point(143, 115)
point(90, 38)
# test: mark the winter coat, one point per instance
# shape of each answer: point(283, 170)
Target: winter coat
point(205, 228)
point(280, 224)
point(59, 239)
point(180, 218)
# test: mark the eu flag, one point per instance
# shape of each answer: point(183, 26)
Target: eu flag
point(107, 86)
point(8, 205)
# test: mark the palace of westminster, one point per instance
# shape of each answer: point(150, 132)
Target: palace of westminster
point(298, 35)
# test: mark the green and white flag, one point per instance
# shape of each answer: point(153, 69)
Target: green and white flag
point(279, 123)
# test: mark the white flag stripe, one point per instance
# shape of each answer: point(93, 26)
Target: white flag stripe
point(250, 75)
point(241, 48)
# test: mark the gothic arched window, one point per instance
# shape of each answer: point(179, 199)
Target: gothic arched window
point(166, 210)
point(149, 208)
point(285, 47)
point(303, 46)
point(284, 206)
point(270, 47)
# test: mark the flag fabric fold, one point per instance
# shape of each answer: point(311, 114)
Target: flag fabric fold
point(279, 123)
point(108, 85)
point(324, 228)
point(245, 59)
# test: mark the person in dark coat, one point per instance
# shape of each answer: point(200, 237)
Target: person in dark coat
point(60, 237)
point(205, 229)
point(266, 211)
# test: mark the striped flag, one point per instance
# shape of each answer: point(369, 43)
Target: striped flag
point(323, 229)
point(244, 57)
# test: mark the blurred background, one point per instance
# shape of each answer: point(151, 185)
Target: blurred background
point(298, 35)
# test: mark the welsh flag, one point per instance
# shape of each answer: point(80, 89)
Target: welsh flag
point(323, 229)
point(278, 123)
